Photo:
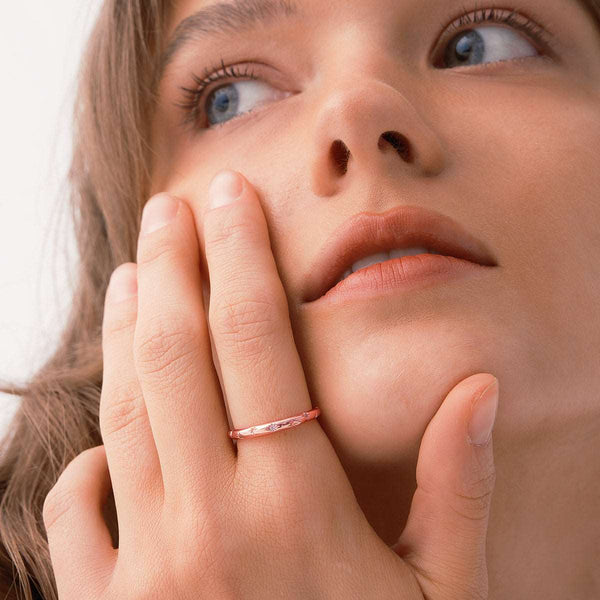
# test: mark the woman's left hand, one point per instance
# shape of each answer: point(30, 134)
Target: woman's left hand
point(285, 520)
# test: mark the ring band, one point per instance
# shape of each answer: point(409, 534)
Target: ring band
point(273, 426)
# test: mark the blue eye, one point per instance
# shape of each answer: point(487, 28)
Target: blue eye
point(228, 101)
point(491, 44)
point(232, 99)
point(486, 44)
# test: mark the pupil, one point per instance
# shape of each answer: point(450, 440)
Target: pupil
point(464, 48)
point(222, 102)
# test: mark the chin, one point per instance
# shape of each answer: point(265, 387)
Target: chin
point(379, 391)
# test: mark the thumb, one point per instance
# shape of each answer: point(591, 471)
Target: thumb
point(445, 535)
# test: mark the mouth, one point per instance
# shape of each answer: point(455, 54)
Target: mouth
point(369, 238)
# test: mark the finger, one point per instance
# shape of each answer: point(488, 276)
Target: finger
point(173, 356)
point(79, 541)
point(446, 531)
point(248, 316)
point(129, 444)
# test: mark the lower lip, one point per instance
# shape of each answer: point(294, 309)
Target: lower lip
point(405, 273)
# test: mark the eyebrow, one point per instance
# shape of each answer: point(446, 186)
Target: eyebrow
point(224, 17)
point(593, 9)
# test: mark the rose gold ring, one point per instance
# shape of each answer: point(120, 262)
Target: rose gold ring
point(273, 426)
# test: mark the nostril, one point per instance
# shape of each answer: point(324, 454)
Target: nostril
point(340, 154)
point(400, 143)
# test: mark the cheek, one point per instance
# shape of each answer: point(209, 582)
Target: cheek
point(535, 151)
point(547, 158)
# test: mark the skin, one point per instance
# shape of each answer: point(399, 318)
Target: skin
point(513, 152)
point(508, 151)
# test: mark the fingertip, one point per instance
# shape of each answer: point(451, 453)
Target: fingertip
point(226, 187)
point(483, 414)
point(123, 283)
point(158, 212)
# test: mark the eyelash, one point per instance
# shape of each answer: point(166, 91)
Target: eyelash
point(499, 15)
point(193, 96)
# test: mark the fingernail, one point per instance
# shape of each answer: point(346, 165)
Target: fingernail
point(483, 416)
point(224, 189)
point(158, 212)
point(122, 284)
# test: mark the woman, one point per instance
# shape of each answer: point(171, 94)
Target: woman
point(347, 130)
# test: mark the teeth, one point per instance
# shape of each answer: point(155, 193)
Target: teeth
point(370, 260)
point(383, 256)
point(409, 252)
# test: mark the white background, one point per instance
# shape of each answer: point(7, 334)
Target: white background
point(41, 43)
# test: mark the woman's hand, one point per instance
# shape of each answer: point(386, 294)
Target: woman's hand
point(278, 518)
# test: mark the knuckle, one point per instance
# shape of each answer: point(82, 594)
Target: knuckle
point(149, 587)
point(477, 593)
point(203, 540)
point(122, 412)
point(56, 505)
point(246, 326)
point(233, 229)
point(166, 346)
point(278, 501)
point(472, 501)
point(117, 322)
point(279, 507)
point(62, 497)
point(161, 248)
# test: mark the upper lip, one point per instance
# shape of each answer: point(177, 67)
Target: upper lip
point(402, 227)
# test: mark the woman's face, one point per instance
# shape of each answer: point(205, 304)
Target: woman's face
point(506, 144)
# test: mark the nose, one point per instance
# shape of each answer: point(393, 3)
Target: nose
point(368, 125)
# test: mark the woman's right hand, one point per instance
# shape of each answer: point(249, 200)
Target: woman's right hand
point(196, 519)
point(278, 518)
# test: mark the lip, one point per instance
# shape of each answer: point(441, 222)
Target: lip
point(406, 273)
point(401, 227)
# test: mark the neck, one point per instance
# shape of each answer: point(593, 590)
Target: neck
point(544, 529)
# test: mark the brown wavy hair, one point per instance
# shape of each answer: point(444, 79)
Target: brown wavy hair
point(109, 179)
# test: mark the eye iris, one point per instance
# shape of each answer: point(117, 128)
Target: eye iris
point(469, 45)
point(224, 99)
